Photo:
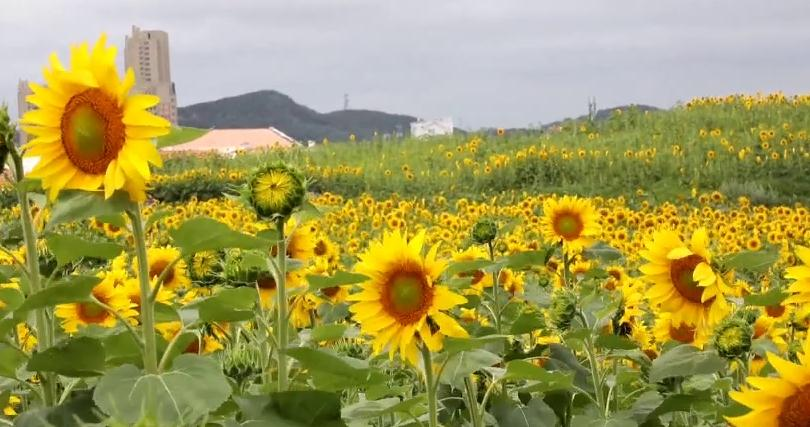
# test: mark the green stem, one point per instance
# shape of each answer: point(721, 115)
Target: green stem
point(281, 306)
point(43, 324)
point(150, 362)
point(495, 290)
point(433, 413)
point(595, 376)
point(472, 401)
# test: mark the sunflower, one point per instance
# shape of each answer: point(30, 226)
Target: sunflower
point(161, 258)
point(667, 329)
point(683, 281)
point(88, 131)
point(302, 309)
point(267, 286)
point(132, 288)
point(800, 289)
point(778, 401)
point(571, 220)
point(90, 313)
point(301, 241)
point(400, 304)
point(276, 189)
point(203, 264)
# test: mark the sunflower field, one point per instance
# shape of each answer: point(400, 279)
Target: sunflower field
point(649, 270)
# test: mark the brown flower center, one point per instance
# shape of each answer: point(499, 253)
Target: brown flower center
point(683, 333)
point(681, 272)
point(568, 225)
point(775, 310)
point(91, 313)
point(407, 296)
point(320, 248)
point(93, 131)
point(266, 281)
point(796, 409)
point(156, 269)
point(330, 291)
point(476, 275)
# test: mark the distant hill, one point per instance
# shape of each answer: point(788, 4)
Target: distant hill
point(271, 108)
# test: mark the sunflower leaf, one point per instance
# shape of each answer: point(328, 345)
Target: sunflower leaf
point(683, 361)
point(753, 261)
point(340, 278)
point(10, 360)
point(74, 357)
point(76, 205)
point(205, 234)
point(70, 289)
point(69, 248)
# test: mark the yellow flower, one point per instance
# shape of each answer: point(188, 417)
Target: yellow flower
point(78, 314)
point(780, 401)
point(800, 289)
point(161, 258)
point(11, 408)
point(267, 286)
point(88, 131)
point(683, 281)
point(571, 220)
point(302, 308)
point(400, 304)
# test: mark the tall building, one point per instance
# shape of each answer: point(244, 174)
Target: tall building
point(23, 106)
point(147, 53)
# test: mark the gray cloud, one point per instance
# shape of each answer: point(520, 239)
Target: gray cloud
point(484, 62)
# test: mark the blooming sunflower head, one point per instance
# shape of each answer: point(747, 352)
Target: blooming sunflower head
point(780, 401)
point(682, 278)
point(800, 288)
point(113, 298)
point(276, 190)
point(162, 258)
point(87, 131)
point(570, 220)
point(401, 305)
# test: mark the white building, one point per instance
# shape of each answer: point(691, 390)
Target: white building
point(436, 127)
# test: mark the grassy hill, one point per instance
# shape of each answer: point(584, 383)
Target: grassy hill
point(180, 135)
point(270, 108)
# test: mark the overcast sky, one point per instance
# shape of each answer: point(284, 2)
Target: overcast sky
point(482, 62)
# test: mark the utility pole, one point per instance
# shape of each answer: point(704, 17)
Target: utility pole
point(592, 108)
point(345, 101)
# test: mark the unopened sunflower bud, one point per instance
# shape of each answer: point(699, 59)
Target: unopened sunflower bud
point(276, 190)
point(563, 309)
point(241, 363)
point(484, 231)
point(732, 338)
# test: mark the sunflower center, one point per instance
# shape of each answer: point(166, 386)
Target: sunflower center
point(266, 282)
point(91, 312)
point(683, 333)
point(681, 272)
point(794, 409)
point(320, 248)
point(407, 297)
point(93, 131)
point(330, 291)
point(156, 269)
point(477, 276)
point(775, 310)
point(568, 225)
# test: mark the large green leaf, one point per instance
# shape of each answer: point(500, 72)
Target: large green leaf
point(467, 266)
point(528, 321)
point(192, 388)
point(10, 360)
point(753, 261)
point(121, 348)
point(455, 345)
point(377, 408)
point(70, 289)
point(73, 357)
point(205, 234)
point(293, 409)
point(329, 331)
point(227, 305)
point(69, 248)
point(615, 420)
point(536, 414)
point(322, 360)
point(604, 253)
point(76, 411)
point(539, 379)
point(524, 260)
point(683, 361)
point(77, 205)
point(10, 300)
point(772, 298)
point(459, 365)
point(615, 342)
point(340, 278)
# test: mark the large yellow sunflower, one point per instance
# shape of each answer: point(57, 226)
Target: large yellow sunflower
point(683, 281)
point(88, 131)
point(78, 314)
point(800, 289)
point(782, 401)
point(571, 220)
point(401, 304)
point(159, 260)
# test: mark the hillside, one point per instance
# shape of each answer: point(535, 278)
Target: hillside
point(271, 108)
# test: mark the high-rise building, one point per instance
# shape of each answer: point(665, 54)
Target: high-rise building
point(23, 106)
point(147, 53)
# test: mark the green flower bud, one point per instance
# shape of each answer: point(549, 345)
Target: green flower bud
point(242, 362)
point(275, 190)
point(484, 231)
point(732, 338)
point(563, 309)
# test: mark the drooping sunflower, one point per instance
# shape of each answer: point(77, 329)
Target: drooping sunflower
point(571, 220)
point(800, 289)
point(683, 281)
point(78, 314)
point(781, 401)
point(160, 259)
point(401, 305)
point(88, 131)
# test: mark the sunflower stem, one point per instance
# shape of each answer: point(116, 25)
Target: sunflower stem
point(495, 286)
point(150, 362)
point(433, 413)
point(472, 401)
point(281, 306)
